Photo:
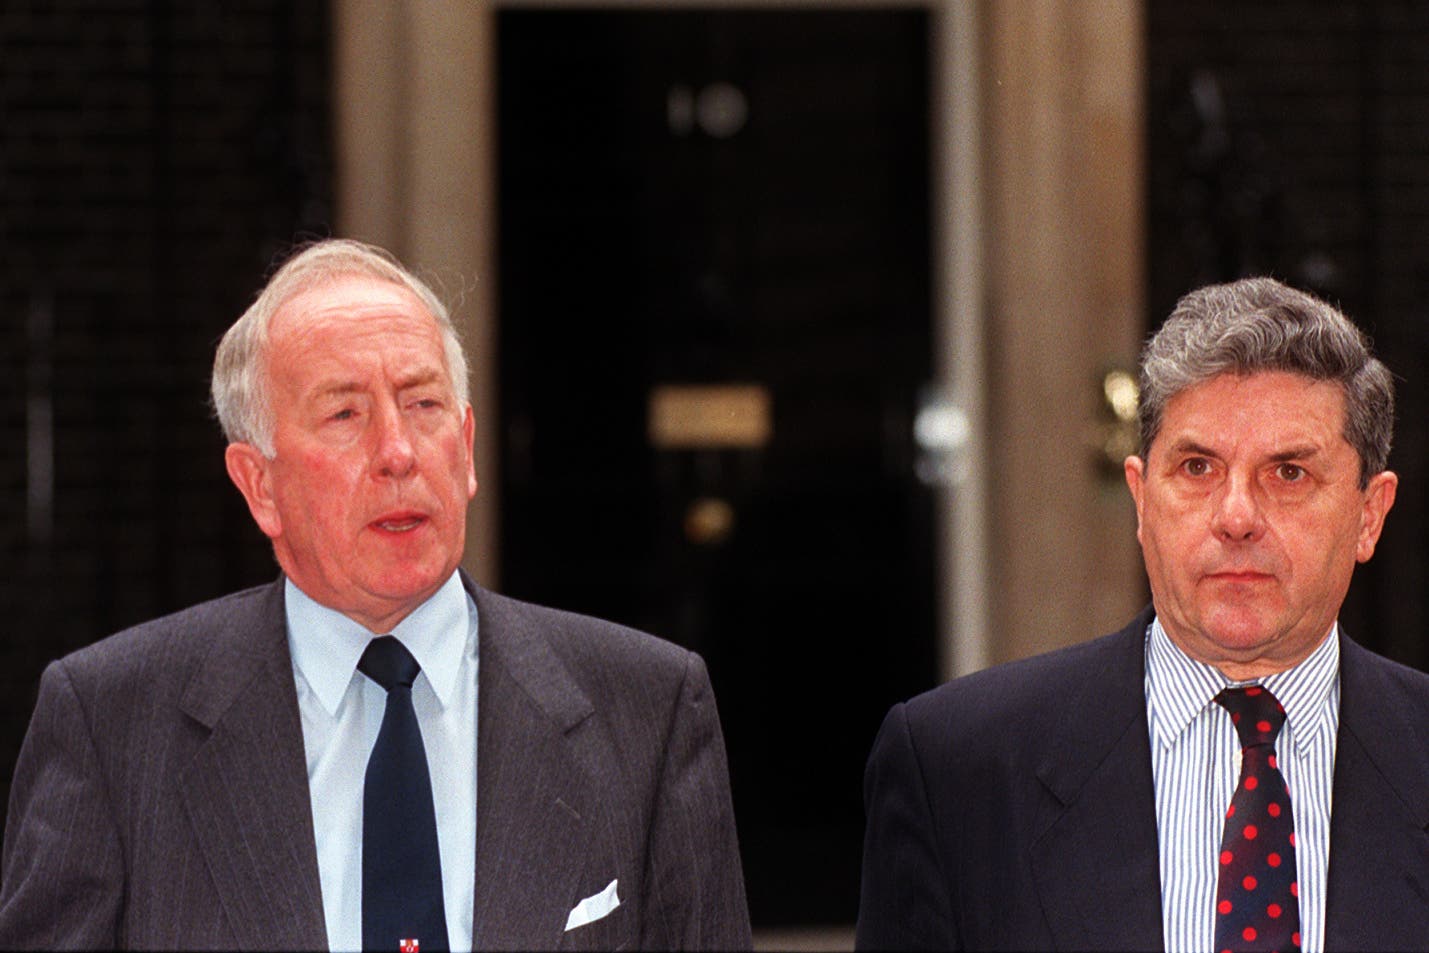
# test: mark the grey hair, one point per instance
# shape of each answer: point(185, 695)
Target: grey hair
point(240, 393)
point(1259, 324)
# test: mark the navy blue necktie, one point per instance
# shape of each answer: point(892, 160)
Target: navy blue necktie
point(1257, 896)
point(401, 867)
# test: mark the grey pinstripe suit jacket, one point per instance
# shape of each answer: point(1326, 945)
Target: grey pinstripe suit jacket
point(161, 797)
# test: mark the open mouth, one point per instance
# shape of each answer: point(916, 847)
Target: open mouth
point(399, 524)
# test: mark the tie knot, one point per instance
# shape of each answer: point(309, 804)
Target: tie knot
point(1255, 712)
point(387, 662)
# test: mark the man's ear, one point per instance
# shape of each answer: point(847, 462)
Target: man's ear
point(468, 436)
point(1135, 469)
point(1379, 497)
point(251, 472)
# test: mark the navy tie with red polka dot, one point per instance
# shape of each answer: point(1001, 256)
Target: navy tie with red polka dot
point(1257, 897)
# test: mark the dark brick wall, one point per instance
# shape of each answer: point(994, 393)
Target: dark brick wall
point(154, 158)
point(1291, 137)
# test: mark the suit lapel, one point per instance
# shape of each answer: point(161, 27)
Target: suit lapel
point(539, 817)
point(246, 789)
point(1377, 891)
point(1095, 859)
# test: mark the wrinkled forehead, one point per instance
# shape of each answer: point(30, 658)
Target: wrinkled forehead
point(1258, 390)
point(352, 302)
point(1268, 405)
point(343, 332)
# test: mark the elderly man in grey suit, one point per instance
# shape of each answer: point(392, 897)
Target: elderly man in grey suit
point(371, 751)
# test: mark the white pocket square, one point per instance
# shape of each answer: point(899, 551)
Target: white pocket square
point(594, 907)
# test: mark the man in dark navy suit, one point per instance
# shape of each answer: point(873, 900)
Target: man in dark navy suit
point(1080, 800)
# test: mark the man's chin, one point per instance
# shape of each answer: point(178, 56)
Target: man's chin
point(410, 590)
point(1228, 633)
point(396, 595)
point(1239, 633)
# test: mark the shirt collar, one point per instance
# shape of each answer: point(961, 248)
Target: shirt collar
point(326, 644)
point(1179, 688)
point(1310, 692)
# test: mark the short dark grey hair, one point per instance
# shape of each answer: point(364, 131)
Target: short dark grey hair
point(1259, 324)
point(240, 381)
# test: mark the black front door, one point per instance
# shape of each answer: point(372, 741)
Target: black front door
point(715, 321)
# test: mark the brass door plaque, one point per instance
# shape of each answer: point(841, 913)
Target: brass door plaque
point(694, 417)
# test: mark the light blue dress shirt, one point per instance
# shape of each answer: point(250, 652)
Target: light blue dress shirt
point(342, 711)
point(1195, 760)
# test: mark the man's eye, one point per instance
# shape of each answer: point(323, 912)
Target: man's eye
point(1197, 466)
point(346, 413)
point(1290, 472)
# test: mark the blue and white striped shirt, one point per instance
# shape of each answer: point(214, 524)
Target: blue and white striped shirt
point(1195, 761)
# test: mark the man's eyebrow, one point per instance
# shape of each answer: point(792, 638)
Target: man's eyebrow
point(1292, 452)
point(1297, 452)
point(335, 388)
point(420, 378)
point(1187, 445)
point(338, 387)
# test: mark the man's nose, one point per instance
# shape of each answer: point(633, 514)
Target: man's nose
point(395, 456)
point(1238, 516)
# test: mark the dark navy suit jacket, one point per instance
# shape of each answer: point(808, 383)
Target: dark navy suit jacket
point(1014, 809)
